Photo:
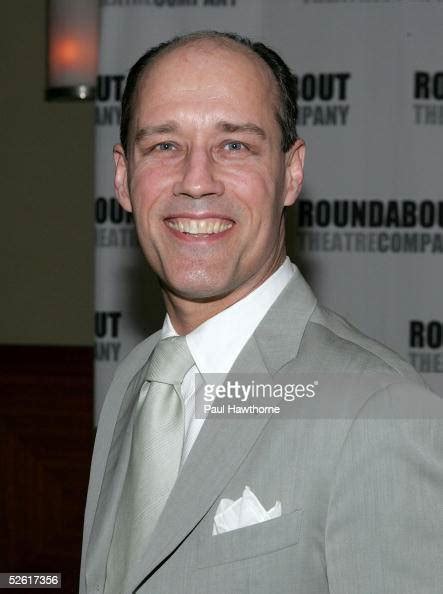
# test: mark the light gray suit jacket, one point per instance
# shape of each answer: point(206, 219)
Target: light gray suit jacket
point(361, 498)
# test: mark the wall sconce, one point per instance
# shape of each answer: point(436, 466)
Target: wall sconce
point(73, 41)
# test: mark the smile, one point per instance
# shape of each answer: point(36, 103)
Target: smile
point(199, 226)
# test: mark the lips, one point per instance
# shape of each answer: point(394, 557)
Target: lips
point(192, 226)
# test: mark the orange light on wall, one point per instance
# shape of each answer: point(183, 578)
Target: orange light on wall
point(73, 40)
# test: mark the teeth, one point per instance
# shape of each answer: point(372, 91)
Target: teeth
point(199, 226)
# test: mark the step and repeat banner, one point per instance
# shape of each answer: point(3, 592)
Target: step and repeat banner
point(367, 231)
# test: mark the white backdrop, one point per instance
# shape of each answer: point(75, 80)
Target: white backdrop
point(370, 219)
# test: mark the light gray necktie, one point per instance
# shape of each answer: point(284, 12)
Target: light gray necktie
point(154, 463)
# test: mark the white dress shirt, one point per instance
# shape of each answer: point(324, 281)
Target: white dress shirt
point(216, 343)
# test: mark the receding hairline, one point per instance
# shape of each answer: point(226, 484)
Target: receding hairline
point(200, 41)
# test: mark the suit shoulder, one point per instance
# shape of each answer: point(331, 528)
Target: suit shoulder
point(343, 347)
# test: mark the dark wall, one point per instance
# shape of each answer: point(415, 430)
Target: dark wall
point(46, 240)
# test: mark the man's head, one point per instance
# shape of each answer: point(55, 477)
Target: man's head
point(207, 166)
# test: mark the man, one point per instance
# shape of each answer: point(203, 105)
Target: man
point(209, 159)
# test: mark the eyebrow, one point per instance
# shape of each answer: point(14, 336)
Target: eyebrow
point(165, 128)
point(248, 127)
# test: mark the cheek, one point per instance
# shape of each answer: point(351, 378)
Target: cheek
point(260, 195)
point(252, 185)
point(146, 189)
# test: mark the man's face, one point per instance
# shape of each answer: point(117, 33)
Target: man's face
point(205, 175)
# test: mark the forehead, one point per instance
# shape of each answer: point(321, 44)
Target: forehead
point(207, 72)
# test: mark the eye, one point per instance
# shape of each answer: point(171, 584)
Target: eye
point(164, 146)
point(235, 146)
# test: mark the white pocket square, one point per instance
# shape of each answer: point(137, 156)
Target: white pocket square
point(245, 511)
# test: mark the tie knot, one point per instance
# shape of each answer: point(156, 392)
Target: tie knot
point(170, 361)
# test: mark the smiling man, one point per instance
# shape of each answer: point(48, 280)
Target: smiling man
point(209, 159)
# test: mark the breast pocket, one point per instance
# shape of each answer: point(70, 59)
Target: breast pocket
point(251, 541)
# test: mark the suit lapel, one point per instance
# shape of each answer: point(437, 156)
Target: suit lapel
point(114, 447)
point(280, 333)
point(203, 478)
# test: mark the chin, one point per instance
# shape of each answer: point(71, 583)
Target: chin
point(198, 288)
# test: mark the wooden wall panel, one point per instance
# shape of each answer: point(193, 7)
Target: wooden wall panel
point(46, 439)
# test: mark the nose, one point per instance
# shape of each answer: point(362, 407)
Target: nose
point(198, 177)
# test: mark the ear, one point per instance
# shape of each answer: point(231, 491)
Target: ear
point(295, 160)
point(121, 178)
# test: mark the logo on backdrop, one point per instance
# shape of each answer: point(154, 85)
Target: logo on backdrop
point(107, 332)
point(425, 340)
point(428, 97)
point(114, 226)
point(323, 99)
point(392, 226)
point(108, 96)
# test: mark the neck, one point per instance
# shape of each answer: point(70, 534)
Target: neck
point(186, 314)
